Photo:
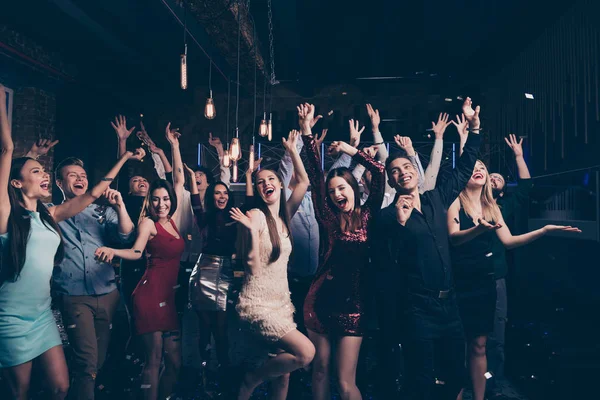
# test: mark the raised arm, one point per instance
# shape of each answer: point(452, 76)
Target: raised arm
point(75, 205)
point(249, 173)
point(40, 148)
point(302, 181)
point(435, 160)
point(225, 172)
point(458, 236)
point(517, 148)
point(123, 224)
point(178, 176)
point(510, 242)
point(145, 229)
point(462, 127)
point(6, 151)
point(120, 127)
point(450, 189)
point(382, 153)
point(313, 166)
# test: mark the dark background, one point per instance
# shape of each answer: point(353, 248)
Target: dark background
point(75, 64)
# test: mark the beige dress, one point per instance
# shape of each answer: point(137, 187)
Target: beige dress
point(264, 306)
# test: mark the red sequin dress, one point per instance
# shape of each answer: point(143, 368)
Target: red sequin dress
point(336, 300)
point(154, 297)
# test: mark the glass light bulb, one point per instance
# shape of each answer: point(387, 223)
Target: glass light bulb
point(209, 110)
point(184, 82)
point(234, 175)
point(251, 158)
point(270, 129)
point(226, 161)
point(235, 151)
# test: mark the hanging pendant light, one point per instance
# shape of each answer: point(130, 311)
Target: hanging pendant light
point(263, 130)
point(226, 161)
point(251, 158)
point(235, 152)
point(270, 127)
point(209, 110)
point(184, 81)
point(234, 174)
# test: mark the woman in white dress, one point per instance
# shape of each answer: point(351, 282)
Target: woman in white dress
point(265, 308)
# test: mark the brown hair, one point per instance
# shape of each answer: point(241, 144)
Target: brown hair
point(349, 222)
point(148, 210)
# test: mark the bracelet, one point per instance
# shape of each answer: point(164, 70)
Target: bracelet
point(378, 144)
point(105, 179)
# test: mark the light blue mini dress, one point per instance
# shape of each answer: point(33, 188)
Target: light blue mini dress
point(27, 326)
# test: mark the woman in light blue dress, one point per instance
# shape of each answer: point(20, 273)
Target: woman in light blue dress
point(30, 245)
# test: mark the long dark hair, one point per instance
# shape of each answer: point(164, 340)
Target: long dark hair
point(13, 258)
point(148, 210)
point(349, 222)
point(216, 218)
point(271, 223)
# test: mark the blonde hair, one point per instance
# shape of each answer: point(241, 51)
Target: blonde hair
point(489, 209)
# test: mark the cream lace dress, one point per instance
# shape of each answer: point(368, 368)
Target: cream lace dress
point(264, 306)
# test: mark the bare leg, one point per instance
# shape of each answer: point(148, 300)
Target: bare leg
point(298, 353)
point(320, 368)
point(346, 356)
point(279, 387)
point(55, 371)
point(153, 346)
point(478, 366)
point(172, 347)
point(18, 378)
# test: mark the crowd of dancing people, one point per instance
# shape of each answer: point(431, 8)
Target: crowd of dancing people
point(314, 253)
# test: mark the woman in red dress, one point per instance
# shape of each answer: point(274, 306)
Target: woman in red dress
point(155, 314)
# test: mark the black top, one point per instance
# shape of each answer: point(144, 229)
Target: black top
point(420, 250)
point(509, 203)
point(472, 261)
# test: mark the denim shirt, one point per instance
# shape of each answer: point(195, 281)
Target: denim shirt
point(80, 274)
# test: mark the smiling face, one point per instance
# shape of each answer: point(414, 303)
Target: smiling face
point(73, 181)
point(138, 186)
point(34, 181)
point(402, 175)
point(201, 180)
point(221, 196)
point(268, 186)
point(498, 182)
point(341, 193)
point(480, 176)
point(160, 203)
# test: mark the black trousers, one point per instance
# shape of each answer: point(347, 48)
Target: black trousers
point(434, 346)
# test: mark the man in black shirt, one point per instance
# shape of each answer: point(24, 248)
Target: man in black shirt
point(414, 229)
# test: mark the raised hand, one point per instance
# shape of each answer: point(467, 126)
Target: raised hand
point(404, 207)
point(41, 147)
point(292, 141)
point(553, 228)
point(405, 143)
point(214, 141)
point(484, 225)
point(471, 115)
point(172, 135)
point(104, 254)
point(461, 127)
point(355, 132)
point(138, 154)
point(250, 221)
point(371, 151)
point(341, 147)
point(188, 170)
point(114, 197)
point(515, 145)
point(257, 162)
point(120, 126)
point(374, 116)
point(319, 139)
point(440, 127)
point(303, 122)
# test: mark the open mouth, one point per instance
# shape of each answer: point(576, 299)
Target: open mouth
point(142, 186)
point(78, 186)
point(221, 203)
point(342, 203)
point(45, 185)
point(269, 191)
point(477, 175)
point(405, 179)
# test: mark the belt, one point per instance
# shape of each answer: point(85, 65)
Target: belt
point(438, 294)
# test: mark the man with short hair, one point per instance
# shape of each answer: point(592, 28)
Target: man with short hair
point(87, 290)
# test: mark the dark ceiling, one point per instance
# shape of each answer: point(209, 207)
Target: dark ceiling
point(127, 45)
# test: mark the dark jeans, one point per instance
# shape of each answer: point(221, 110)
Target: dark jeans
point(433, 337)
point(88, 320)
point(495, 344)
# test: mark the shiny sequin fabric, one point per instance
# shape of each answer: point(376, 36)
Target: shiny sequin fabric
point(336, 301)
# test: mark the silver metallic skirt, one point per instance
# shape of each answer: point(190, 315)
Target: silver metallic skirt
point(210, 283)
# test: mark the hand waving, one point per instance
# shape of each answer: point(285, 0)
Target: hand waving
point(319, 139)
point(471, 115)
point(120, 126)
point(516, 146)
point(405, 143)
point(461, 127)
point(41, 147)
point(249, 220)
point(374, 116)
point(440, 127)
point(172, 135)
point(292, 141)
point(355, 132)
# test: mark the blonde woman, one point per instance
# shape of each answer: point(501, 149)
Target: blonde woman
point(473, 220)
